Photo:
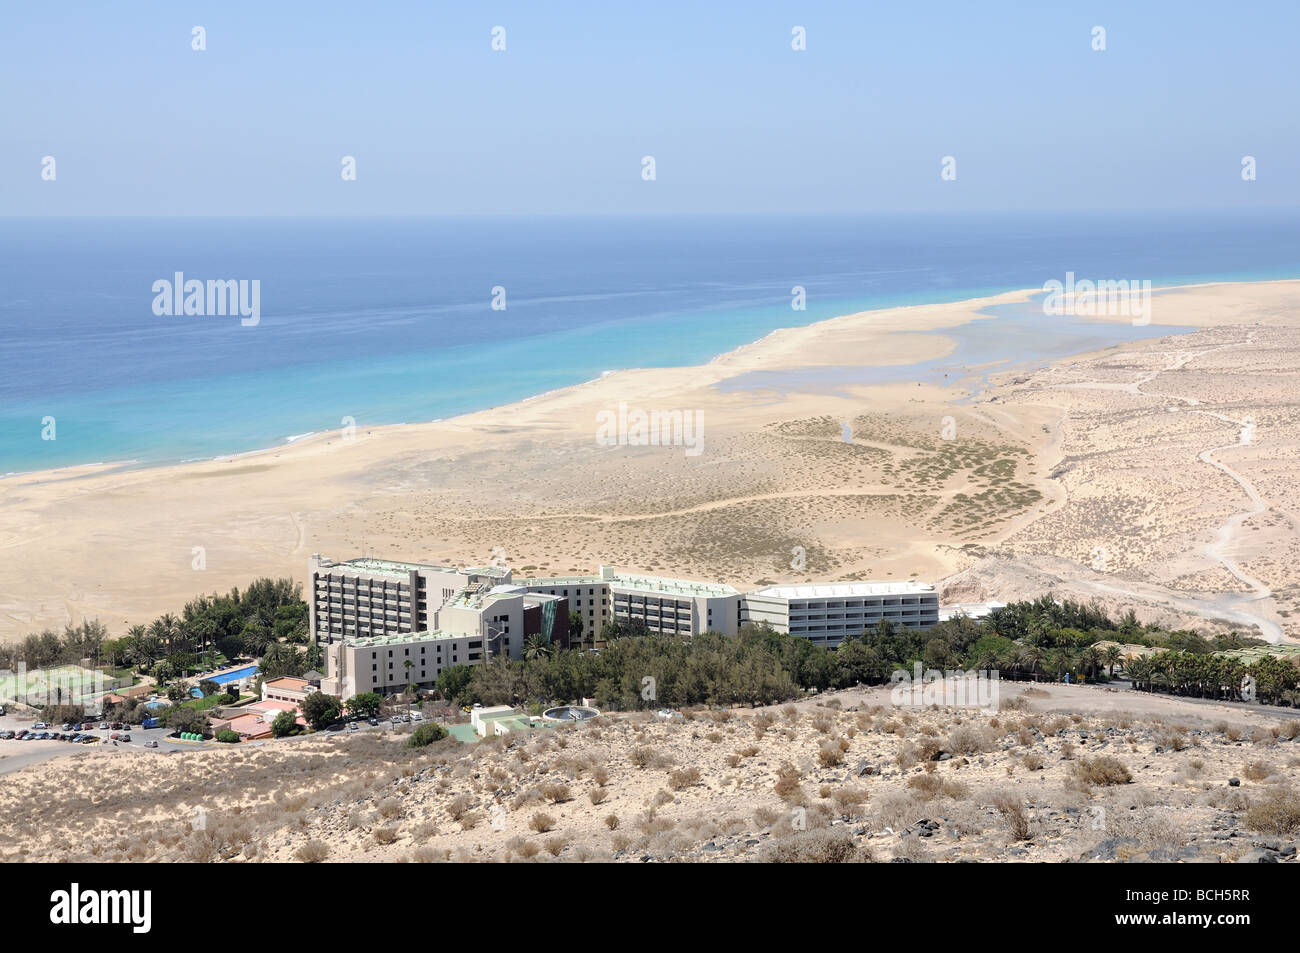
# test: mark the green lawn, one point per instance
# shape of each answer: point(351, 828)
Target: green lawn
point(212, 701)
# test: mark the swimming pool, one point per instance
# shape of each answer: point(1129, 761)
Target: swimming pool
point(234, 675)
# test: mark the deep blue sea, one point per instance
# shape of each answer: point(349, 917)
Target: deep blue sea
point(390, 320)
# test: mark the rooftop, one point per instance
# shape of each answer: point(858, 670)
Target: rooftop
point(384, 567)
point(561, 581)
point(371, 641)
point(288, 682)
point(843, 590)
point(679, 587)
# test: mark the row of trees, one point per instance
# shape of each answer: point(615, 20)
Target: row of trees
point(1040, 639)
point(239, 623)
point(49, 648)
point(1270, 680)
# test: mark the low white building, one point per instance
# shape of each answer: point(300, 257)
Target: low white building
point(829, 613)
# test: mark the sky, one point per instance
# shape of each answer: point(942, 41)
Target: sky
point(141, 124)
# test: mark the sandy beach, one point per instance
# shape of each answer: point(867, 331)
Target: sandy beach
point(1123, 471)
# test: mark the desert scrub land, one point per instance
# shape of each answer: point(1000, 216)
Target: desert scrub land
point(846, 778)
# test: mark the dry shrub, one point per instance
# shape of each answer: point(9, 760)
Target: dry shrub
point(829, 755)
point(389, 808)
point(969, 740)
point(600, 774)
point(385, 835)
point(816, 847)
point(1032, 761)
point(787, 785)
point(312, 852)
point(1102, 770)
point(1173, 740)
point(556, 793)
point(528, 850)
point(1258, 770)
point(428, 855)
point(597, 795)
point(1276, 811)
point(554, 845)
point(766, 816)
point(1012, 809)
point(542, 823)
point(611, 821)
point(460, 805)
point(684, 778)
point(849, 801)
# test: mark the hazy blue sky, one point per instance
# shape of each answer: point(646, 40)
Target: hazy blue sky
point(141, 124)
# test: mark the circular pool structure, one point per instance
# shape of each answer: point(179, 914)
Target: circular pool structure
point(569, 713)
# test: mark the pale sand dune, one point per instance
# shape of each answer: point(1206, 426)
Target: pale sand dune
point(898, 500)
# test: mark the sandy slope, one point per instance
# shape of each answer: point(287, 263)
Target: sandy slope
point(1062, 462)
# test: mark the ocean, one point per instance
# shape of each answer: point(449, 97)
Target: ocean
point(392, 320)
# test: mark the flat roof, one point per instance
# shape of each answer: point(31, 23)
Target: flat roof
point(369, 641)
point(682, 587)
point(561, 581)
point(842, 590)
point(385, 567)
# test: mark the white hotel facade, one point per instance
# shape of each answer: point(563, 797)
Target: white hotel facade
point(829, 613)
point(387, 624)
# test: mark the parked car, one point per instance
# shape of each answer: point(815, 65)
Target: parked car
point(125, 737)
point(416, 716)
point(352, 726)
point(117, 726)
point(40, 725)
point(67, 726)
point(89, 739)
point(103, 726)
point(21, 734)
point(113, 737)
point(372, 720)
point(151, 743)
point(6, 735)
point(396, 719)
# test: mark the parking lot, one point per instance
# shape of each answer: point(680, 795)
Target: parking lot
point(16, 753)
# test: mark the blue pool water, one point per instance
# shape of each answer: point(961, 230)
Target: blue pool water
point(229, 677)
point(389, 320)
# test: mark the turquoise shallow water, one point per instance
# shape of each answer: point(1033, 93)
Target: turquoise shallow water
point(390, 320)
point(1018, 336)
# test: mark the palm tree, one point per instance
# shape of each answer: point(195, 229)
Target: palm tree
point(1113, 656)
point(536, 648)
point(1090, 660)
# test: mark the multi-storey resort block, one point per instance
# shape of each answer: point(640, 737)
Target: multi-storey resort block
point(385, 625)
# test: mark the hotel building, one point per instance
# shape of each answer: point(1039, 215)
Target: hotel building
point(666, 606)
point(827, 614)
point(386, 625)
point(380, 663)
point(364, 598)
